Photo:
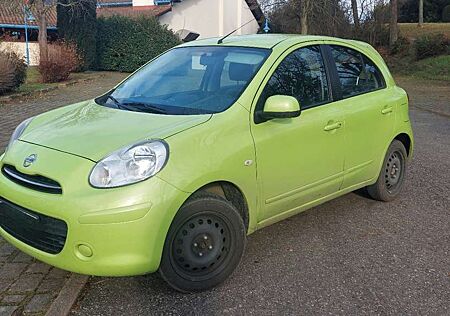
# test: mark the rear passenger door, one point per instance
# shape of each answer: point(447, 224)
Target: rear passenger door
point(368, 109)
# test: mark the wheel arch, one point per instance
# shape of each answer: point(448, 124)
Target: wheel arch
point(232, 193)
point(406, 140)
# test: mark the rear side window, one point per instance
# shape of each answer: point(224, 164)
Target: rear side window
point(357, 73)
point(301, 75)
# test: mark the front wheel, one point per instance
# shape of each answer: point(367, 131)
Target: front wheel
point(392, 174)
point(204, 245)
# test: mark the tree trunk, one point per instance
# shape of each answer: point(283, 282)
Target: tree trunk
point(420, 13)
point(42, 38)
point(393, 27)
point(355, 14)
point(304, 17)
point(43, 49)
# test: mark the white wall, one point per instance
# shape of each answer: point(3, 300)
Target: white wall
point(210, 18)
point(19, 49)
point(138, 3)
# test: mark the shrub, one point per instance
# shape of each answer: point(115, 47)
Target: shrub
point(13, 72)
point(430, 45)
point(62, 60)
point(125, 44)
point(401, 46)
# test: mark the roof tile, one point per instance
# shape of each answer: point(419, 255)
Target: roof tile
point(12, 13)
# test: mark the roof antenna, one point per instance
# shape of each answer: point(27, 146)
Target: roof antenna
point(220, 41)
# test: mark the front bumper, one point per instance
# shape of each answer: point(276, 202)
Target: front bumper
point(110, 232)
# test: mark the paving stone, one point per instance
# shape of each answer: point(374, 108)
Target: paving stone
point(26, 283)
point(7, 310)
point(23, 257)
point(13, 299)
point(7, 249)
point(4, 284)
point(51, 285)
point(38, 267)
point(38, 303)
point(56, 273)
point(11, 270)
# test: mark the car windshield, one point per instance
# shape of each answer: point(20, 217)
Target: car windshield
point(189, 80)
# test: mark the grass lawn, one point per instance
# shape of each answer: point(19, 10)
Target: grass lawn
point(433, 68)
point(411, 30)
point(33, 82)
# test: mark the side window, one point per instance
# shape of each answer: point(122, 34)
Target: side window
point(357, 74)
point(301, 75)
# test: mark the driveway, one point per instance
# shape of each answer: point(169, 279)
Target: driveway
point(349, 256)
point(352, 255)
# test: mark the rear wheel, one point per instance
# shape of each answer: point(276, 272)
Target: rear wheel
point(392, 174)
point(204, 245)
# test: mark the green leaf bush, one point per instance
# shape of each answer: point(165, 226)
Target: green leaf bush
point(77, 24)
point(13, 72)
point(430, 45)
point(125, 44)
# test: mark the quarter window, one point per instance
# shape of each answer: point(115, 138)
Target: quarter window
point(357, 74)
point(301, 75)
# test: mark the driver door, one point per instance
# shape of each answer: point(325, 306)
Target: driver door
point(299, 160)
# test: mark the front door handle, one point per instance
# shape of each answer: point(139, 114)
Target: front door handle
point(387, 110)
point(332, 126)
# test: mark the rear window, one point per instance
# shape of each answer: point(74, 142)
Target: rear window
point(357, 73)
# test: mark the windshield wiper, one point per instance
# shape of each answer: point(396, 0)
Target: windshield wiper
point(116, 102)
point(142, 107)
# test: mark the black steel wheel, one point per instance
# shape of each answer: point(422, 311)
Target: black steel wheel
point(204, 245)
point(392, 174)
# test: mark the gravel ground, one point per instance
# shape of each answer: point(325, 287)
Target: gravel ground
point(352, 255)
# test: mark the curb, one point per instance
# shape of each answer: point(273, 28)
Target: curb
point(63, 303)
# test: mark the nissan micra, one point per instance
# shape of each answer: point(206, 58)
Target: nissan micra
point(205, 144)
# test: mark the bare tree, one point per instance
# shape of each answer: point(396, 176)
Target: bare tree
point(306, 8)
point(420, 13)
point(393, 26)
point(355, 14)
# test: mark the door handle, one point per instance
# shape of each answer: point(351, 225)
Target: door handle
point(387, 110)
point(332, 126)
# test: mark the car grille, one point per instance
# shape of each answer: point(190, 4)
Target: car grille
point(39, 231)
point(35, 182)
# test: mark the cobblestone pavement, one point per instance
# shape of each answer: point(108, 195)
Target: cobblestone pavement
point(27, 286)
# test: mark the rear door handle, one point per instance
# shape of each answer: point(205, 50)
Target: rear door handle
point(332, 126)
point(387, 110)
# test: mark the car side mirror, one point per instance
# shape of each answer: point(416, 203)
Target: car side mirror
point(281, 106)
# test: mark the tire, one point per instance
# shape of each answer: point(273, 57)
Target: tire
point(204, 245)
point(392, 175)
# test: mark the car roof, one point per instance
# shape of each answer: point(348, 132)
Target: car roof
point(264, 40)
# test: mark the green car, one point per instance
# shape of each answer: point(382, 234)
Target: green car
point(202, 146)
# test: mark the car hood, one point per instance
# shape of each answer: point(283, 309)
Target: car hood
point(92, 131)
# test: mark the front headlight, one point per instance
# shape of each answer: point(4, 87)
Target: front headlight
point(130, 165)
point(19, 131)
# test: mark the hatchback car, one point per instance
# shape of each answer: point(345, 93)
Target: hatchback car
point(205, 144)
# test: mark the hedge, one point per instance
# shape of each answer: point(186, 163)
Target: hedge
point(125, 44)
point(77, 24)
